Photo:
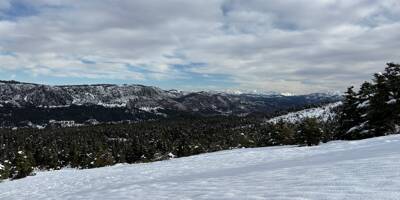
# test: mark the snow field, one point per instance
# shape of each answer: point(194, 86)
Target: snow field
point(365, 169)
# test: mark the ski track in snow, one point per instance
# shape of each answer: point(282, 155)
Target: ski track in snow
point(365, 169)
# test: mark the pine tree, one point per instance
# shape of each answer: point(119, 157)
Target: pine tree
point(392, 73)
point(363, 109)
point(375, 110)
point(310, 132)
point(282, 134)
point(380, 117)
point(350, 115)
point(22, 165)
point(5, 170)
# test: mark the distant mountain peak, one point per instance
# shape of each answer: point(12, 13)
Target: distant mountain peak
point(140, 96)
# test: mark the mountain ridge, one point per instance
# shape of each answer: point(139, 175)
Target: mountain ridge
point(134, 99)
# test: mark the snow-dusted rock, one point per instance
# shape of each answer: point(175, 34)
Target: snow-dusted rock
point(322, 113)
point(149, 98)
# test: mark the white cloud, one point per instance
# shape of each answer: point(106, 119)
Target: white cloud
point(296, 46)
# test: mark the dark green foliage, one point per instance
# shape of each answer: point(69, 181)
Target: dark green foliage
point(375, 109)
point(330, 128)
point(5, 169)
point(102, 145)
point(22, 165)
point(107, 144)
point(385, 104)
point(11, 116)
point(380, 116)
point(310, 132)
point(350, 115)
point(283, 134)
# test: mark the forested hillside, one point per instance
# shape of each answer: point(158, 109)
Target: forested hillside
point(372, 111)
point(95, 146)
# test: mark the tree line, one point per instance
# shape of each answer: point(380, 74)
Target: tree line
point(375, 109)
point(24, 150)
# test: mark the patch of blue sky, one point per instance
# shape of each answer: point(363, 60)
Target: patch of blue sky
point(56, 80)
point(210, 81)
point(200, 80)
point(18, 9)
point(187, 67)
point(139, 69)
point(13, 75)
point(187, 80)
point(378, 19)
point(195, 82)
point(8, 53)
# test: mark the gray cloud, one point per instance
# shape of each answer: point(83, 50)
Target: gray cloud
point(290, 46)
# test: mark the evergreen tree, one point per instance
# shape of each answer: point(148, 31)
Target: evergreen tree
point(283, 134)
point(392, 73)
point(375, 110)
point(380, 113)
point(22, 165)
point(310, 132)
point(350, 115)
point(5, 169)
point(363, 109)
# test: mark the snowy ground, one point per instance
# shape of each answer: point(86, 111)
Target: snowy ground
point(366, 169)
point(323, 113)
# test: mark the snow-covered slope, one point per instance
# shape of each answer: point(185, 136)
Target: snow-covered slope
point(366, 169)
point(322, 113)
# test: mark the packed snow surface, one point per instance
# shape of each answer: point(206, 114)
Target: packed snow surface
point(365, 169)
point(323, 113)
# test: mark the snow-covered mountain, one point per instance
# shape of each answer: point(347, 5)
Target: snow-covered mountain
point(23, 104)
point(323, 113)
point(149, 98)
point(365, 169)
point(242, 91)
point(20, 94)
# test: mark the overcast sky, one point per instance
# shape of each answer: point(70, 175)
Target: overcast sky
point(297, 46)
